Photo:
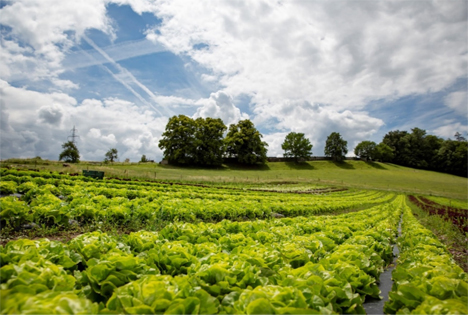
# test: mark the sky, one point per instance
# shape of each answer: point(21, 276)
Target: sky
point(117, 70)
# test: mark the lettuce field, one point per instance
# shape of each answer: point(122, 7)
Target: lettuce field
point(216, 250)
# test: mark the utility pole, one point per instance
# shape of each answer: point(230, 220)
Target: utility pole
point(73, 136)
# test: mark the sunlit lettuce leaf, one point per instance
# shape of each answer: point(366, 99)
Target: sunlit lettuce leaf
point(35, 277)
point(48, 302)
point(162, 294)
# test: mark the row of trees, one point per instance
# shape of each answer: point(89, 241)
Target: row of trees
point(71, 154)
point(200, 141)
point(419, 150)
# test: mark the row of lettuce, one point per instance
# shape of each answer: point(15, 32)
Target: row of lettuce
point(426, 278)
point(326, 264)
point(59, 201)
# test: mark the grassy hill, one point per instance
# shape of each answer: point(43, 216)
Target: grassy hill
point(353, 174)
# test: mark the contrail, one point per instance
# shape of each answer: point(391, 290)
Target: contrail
point(130, 76)
point(120, 51)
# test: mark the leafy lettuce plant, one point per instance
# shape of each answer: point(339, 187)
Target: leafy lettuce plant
point(47, 302)
point(104, 275)
point(426, 279)
point(24, 250)
point(13, 213)
point(162, 294)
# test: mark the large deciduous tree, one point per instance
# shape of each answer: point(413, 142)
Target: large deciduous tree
point(244, 142)
point(70, 153)
point(365, 150)
point(111, 155)
point(383, 153)
point(399, 142)
point(297, 146)
point(178, 141)
point(209, 141)
point(336, 147)
point(453, 157)
point(193, 142)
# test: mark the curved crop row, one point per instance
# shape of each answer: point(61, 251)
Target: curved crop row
point(426, 279)
point(54, 202)
point(458, 217)
point(326, 264)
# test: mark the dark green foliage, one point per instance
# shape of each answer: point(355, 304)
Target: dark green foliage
point(399, 142)
point(416, 149)
point(453, 157)
point(143, 159)
point(111, 155)
point(209, 141)
point(383, 153)
point(187, 141)
point(297, 146)
point(70, 153)
point(178, 141)
point(366, 150)
point(336, 147)
point(244, 142)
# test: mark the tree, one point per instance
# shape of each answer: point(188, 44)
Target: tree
point(365, 150)
point(459, 137)
point(209, 141)
point(296, 145)
point(178, 140)
point(243, 142)
point(70, 153)
point(111, 155)
point(188, 141)
point(143, 159)
point(453, 157)
point(383, 153)
point(336, 147)
point(399, 142)
point(432, 145)
point(418, 155)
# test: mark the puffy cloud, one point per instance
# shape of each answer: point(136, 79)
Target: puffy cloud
point(306, 66)
point(449, 129)
point(36, 124)
point(321, 52)
point(289, 55)
point(317, 122)
point(51, 114)
point(41, 32)
point(220, 105)
point(458, 101)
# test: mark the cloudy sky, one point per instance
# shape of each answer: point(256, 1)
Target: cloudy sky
point(118, 69)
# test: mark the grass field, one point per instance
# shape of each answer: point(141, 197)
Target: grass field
point(354, 174)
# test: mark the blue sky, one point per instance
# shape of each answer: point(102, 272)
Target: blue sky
point(117, 70)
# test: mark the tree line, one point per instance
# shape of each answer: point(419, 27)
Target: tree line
point(201, 141)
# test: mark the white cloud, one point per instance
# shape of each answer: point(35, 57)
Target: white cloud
point(42, 31)
point(317, 122)
point(449, 129)
point(34, 123)
point(275, 140)
point(306, 66)
point(342, 54)
point(220, 105)
point(458, 101)
point(288, 55)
